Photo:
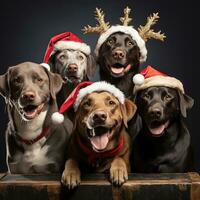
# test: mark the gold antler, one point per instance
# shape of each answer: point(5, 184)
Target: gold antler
point(146, 32)
point(102, 27)
point(125, 20)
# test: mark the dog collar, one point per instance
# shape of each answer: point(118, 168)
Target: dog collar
point(94, 156)
point(30, 142)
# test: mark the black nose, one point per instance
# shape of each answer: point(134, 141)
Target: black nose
point(118, 54)
point(72, 68)
point(99, 117)
point(28, 96)
point(156, 112)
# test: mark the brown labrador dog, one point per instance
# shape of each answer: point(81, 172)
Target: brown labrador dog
point(100, 142)
point(33, 144)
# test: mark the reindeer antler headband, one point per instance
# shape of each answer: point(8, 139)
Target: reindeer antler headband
point(140, 36)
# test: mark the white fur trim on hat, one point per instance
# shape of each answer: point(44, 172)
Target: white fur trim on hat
point(61, 45)
point(165, 81)
point(98, 87)
point(45, 65)
point(124, 29)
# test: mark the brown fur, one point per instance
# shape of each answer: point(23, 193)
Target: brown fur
point(119, 165)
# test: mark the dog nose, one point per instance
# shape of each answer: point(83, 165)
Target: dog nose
point(99, 117)
point(118, 54)
point(72, 68)
point(29, 95)
point(156, 112)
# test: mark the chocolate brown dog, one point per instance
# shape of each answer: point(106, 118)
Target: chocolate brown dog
point(100, 142)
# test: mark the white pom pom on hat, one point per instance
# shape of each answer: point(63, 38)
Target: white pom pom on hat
point(57, 118)
point(138, 79)
point(45, 65)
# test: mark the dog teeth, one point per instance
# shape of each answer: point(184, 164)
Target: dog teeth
point(93, 132)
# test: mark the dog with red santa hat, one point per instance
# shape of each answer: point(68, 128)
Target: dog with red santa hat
point(70, 57)
point(163, 143)
point(99, 142)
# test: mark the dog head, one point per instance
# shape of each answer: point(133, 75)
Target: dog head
point(119, 55)
point(100, 119)
point(73, 65)
point(28, 87)
point(159, 106)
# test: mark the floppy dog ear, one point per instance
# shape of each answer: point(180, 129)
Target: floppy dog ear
point(185, 102)
point(4, 84)
point(51, 63)
point(128, 110)
point(91, 66)
point(55, 82)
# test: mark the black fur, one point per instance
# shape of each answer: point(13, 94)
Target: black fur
point(171, 150)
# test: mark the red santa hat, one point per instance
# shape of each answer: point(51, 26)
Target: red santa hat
point(83, 89)
point(150, 77)
point(127, 30)
point(66, 40)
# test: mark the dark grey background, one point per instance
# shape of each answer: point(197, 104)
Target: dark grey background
point(27, 26)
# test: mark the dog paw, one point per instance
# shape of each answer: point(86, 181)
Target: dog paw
point(71, 177)
point(118, 174)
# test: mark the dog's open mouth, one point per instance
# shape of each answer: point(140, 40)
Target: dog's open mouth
point(119, 69)
point(31, 111)
point(99, 137)
point(157, 128)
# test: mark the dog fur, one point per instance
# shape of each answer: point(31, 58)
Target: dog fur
point(30, 94)
point(119, 60)
point(74, 67)
point(99, 113)
point(163, 144)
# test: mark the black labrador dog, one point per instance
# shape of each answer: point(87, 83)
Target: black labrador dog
point(119, 60)
point(163, 143)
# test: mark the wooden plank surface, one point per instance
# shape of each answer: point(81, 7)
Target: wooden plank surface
point(97, 187)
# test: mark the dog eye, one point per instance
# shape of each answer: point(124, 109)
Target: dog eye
point(111, 102)
point(146, 96)
point(39, 79)
point(62, 57)
point(129, 43)
point(80, 57)
point(17, 80)
point(168, 97)
point(87, 104)
point(110, 42)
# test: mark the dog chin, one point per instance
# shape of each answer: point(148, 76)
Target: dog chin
point(157, 129)
point(30, 112)
point(72, 79)
point(99, 137)
point(118, 70)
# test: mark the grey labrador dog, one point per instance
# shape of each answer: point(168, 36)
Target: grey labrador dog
point(74, 67)
point(34, 145)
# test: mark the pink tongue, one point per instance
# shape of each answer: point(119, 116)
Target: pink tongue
point(31, 113)
point(100, 142)
point(117, 70)
point(158, 130)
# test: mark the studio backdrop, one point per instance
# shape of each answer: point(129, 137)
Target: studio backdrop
point(27, 26)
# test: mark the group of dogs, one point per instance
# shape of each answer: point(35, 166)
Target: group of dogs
point(108, 130)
